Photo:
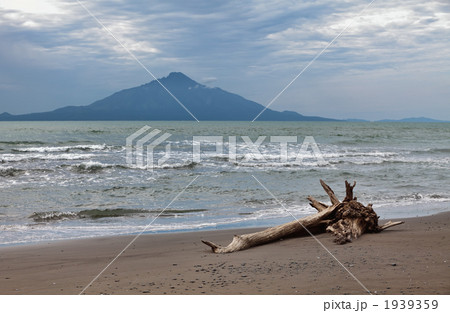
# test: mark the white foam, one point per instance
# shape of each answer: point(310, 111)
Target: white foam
point(39, 156)
point(62, 148)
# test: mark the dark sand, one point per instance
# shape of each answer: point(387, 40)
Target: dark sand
point(413, 258)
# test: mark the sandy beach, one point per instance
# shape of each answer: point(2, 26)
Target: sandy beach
point(413, 258)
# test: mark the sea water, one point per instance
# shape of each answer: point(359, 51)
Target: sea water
point(62, 180)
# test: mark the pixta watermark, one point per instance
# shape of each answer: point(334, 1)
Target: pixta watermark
point(238, 150)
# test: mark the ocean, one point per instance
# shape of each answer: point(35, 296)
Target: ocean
point(63, 180)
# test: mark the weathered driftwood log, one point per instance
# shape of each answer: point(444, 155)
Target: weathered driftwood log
point(347, 220)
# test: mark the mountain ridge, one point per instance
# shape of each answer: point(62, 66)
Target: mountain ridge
point(151, 101)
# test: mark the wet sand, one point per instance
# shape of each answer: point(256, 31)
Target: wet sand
point(413, 258)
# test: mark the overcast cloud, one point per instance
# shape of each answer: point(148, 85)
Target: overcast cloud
point(392, 62)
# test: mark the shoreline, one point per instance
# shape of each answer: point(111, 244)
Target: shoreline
point(408, 259)
point(246, 228)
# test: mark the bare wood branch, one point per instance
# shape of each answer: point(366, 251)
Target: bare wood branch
point(349, 191)
point(390, 224)
point(330, 193)
point(242, 242)
point(319, 206)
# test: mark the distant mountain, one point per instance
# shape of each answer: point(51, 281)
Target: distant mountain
point(152, 102)
point(416, 120)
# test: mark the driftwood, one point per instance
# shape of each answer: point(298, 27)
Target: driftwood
point(347, 220)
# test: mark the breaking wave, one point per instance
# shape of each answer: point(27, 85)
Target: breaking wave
point(92, 167)
point(44, 157)
point(52, 216)
point(63, 148)
point(97, 213)
point(89, 167)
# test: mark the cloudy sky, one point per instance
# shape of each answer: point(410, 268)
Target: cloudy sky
point(393, 60)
